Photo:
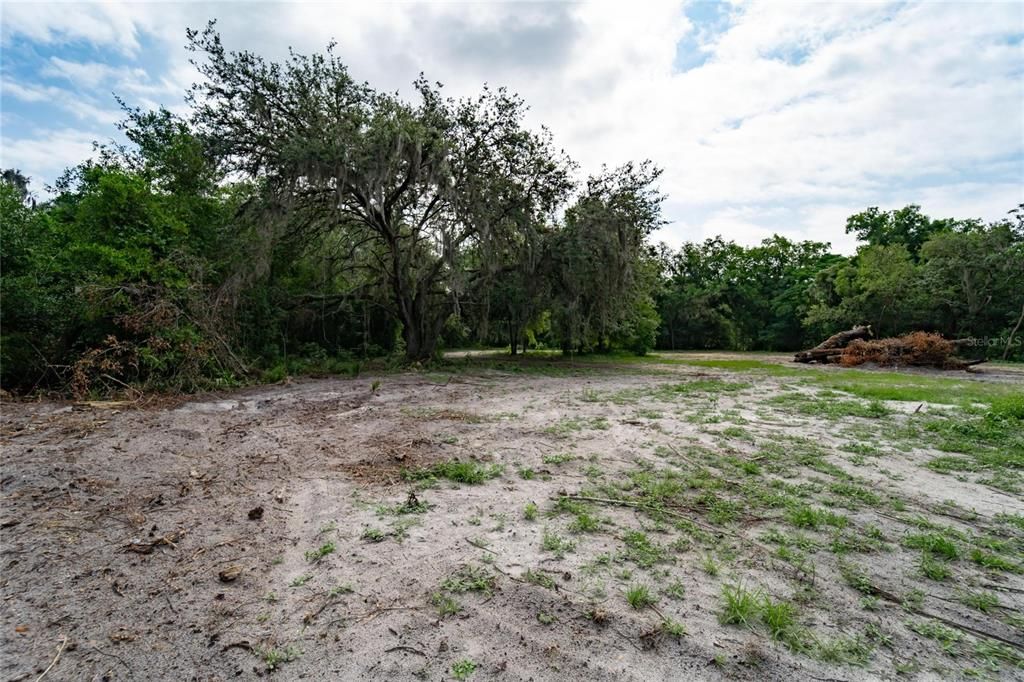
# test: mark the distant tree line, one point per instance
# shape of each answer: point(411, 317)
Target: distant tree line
point(960, 278)
point(299, 221)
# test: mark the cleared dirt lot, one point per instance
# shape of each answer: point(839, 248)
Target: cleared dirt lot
point(497, 523)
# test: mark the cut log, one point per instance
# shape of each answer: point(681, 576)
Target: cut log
point(965, 365)
point(836, 342)
point(820, 354)
point(843, 339)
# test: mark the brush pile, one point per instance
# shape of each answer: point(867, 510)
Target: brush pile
point(856, 347)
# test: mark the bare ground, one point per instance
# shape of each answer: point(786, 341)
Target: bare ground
point(171, 543)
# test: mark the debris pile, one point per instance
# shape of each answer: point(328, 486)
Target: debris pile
point(917, 349)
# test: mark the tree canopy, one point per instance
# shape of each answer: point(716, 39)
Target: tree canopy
point(298, 220)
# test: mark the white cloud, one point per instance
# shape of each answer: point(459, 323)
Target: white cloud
point(44, 156)
point(91, 74)
point(819, 109)
point(80, 107)
point(102, 24)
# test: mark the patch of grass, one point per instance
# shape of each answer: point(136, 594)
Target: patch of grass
point(773, 369)
point(855, 493)
point(948, 463)
point(993, 442)
point(569, 425)
point(913, 600)
point(994, 562)
point(300, 581)
point(472, 473)
point(641, 551)
point(446, 606)
point(779, 617)
point(639, 596)
point(585, 522)
point(983, 601)
point(933, 543)
point(844, 542)
point(899, 386)
point(315, 555)
point(1008, 407)
point(710, 565)
point(545, 618)
point(530, 511)
point(673, 628)
point(947, 637)
point(739, 433)
point(539, 578)
point(553, 542)
point(463, 669)
point(932, 568)
point(740, 606)
point(805, 516)
point(400, 528)
point(856, 578)
point(275, 657)
point(526, 474)
point(697, 386)
point(993, 653)
point(558, 458)
point(844, 650)
point(470, 578)
point(829, 407)
point(675, 590)
point(371, 534)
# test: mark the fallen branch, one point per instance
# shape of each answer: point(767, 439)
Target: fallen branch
point(837, 341)
point(406, 648)
point(890, 597)
point(55, 658)
point(480, 546)
point(651, 508)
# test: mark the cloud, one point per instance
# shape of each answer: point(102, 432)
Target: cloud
point(100, 24)
point(765, 116)
point(44, 156)
point(90, 74)
point(79, 107)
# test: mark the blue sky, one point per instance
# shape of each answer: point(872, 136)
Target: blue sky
point(766, 117)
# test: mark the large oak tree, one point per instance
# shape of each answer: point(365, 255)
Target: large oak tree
point(412, 187)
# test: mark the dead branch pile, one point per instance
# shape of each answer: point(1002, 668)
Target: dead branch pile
point(917, 349)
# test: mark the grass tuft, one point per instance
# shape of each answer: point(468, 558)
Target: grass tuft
point(639, 596)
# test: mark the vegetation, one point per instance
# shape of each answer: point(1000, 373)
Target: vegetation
point(297, 221)
point(956, 277)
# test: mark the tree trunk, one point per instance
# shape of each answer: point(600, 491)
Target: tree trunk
point(832, 343)
point(418, 330)
point(1009, 341)
point(513, 337)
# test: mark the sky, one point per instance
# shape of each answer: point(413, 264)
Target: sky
point(766, 117)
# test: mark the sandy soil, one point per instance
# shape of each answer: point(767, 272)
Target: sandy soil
point(170, 543)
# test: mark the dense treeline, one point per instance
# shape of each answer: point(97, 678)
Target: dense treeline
point(960, 278)
point(299, 221)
